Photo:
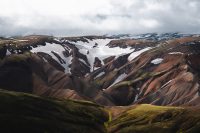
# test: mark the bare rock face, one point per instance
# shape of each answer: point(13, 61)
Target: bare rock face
point(97, 62)
point(79, 68)
point(106, 60)
point(48, 58)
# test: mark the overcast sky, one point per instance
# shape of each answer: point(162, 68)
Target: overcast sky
point(86, 17)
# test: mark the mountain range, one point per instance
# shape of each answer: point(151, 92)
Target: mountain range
point(111, 83)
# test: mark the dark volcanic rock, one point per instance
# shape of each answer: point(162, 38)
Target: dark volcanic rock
point(97, 62)
point(95, 45)
point(3, 51)
point(51, 61)
point(79, 68)
point(59, 58)
point(108, 59)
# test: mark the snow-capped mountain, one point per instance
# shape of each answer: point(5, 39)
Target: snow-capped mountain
point(160, 69)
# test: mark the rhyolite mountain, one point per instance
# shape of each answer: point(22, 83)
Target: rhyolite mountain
point(121, 75)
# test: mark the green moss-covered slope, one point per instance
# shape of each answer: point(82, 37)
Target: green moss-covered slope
point(155, 119)
point(20, 112)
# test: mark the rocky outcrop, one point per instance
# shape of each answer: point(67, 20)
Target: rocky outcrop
point(108, 59)
point(97, 62)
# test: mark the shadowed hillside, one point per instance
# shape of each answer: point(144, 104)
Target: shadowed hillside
point(22, 113)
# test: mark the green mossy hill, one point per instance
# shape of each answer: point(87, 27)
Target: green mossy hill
point(21, 112)
point(25, 113)
point(155, 119)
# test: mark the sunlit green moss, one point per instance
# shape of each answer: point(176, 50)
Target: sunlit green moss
point(155, 119)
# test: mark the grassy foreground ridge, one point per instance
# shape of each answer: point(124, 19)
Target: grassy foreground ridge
point(21, 112)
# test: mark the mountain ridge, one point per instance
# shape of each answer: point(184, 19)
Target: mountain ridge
point(120, 73)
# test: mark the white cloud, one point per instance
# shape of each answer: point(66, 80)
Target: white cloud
point(149, 23)
point(81, 17)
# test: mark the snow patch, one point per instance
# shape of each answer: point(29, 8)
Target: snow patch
point(101, 51)
point(56, 48)
point(136, 97)
point(195, 96)
point(119, 78)
point(8, 52)
point(157, 61)
point(22, 40)
point(56, 39)
point(165, 84)
point(83, 61)
point(99, 75)
point(44, 59)
point(95, 68)
point(175, 53)
point(137, 53)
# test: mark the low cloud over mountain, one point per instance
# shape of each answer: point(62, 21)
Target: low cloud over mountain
point(76, 17)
